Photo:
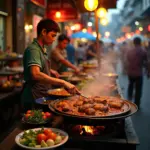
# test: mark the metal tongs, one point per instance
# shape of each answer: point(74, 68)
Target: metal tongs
point(80, 94)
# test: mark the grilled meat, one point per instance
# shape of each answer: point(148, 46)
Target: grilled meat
point(90, 111)
point(101, 107)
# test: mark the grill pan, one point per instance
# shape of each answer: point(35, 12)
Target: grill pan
point(94, 120)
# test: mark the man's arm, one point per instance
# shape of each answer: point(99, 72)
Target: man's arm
point(44, 78)
point(58, 57)
point(89, 52)
point(55, 73)
point(68, 64)
point(37, 75)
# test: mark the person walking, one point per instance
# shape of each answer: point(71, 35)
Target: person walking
point(136, 58)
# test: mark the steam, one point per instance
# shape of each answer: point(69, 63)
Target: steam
point(100, 84)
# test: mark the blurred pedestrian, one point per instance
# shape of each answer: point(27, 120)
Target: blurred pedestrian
point(148, 59)
point(80, 53)
point(113, 56)
point(70, 53)
point(91, 51)
point(123, 52)
point(136, 57)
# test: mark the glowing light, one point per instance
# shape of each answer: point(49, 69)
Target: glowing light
point(137, 23)
point(128, 35)
point(148, 28)
point(101, 12)
point(89, 24)
point(104, 21)
point(58, 14)
point(83, 40)
point(84, 30)
point(94, 34)
point(31, 27)
point(107, 34)
point(137, 31)
point(90, 5)
point(77, 26)
point(73, 28)
point(26, 27)
point(140, 28)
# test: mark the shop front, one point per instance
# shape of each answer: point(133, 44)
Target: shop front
point(35, 11)
point(3, 16)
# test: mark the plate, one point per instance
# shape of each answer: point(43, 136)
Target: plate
point(32, 123)
point(113, 75)
point(43, 148)
point(60, 92)
point(44, 100)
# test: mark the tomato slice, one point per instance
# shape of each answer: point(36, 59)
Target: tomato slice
point(41, 137)
point(47, 131)
point(52, 136)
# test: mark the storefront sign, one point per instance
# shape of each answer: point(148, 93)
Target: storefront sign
point(65, 9)
point(41, 3)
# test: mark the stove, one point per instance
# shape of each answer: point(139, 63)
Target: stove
point(116, 135)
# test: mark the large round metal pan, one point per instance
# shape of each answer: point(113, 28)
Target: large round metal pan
point(126, 108)
point(133, 109)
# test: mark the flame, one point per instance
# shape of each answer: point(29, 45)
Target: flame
point(88, 129)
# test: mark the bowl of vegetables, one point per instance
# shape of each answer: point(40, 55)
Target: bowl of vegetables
point(36, 117)
point(41, 138)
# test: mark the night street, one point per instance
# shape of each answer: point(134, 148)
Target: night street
point(141, 118)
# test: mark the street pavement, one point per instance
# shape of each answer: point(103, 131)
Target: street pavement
point(141, 120)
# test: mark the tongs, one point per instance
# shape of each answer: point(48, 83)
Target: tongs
point(80, 94)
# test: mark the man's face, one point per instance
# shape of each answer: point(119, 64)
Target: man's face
point(49, 37)
point(63, 44)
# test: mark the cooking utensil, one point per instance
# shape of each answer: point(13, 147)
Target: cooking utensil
point(83, 95)
point(125, 107)
point(95, 120)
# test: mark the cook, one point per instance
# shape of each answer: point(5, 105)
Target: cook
point(37, 71)
point(58, 56)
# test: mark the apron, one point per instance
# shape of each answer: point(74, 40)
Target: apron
point(39, 89)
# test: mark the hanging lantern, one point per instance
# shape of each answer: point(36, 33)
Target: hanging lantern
point(90, 5)
point(58, 14)
point(104, 21)
point(101, 12)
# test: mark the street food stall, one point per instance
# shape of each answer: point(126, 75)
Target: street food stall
point(81, 123)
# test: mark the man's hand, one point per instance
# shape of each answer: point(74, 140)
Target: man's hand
point(77, 70)
point(55, 73)
point(71, 88)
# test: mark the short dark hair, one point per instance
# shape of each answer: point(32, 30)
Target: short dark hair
point(63, 37)
point(47, 24)
point(137, 41)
